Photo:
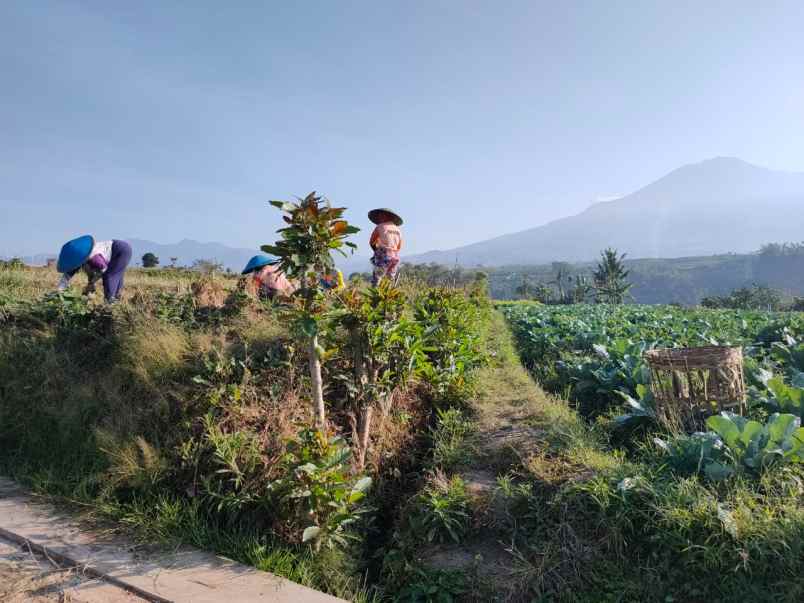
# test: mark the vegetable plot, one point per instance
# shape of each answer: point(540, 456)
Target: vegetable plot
point(593, 355)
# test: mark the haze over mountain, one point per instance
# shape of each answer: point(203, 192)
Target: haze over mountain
point(716, 206)
point(188, 250)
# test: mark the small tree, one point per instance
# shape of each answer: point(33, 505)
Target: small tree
point(173, 261)
point(611, 284)
point(149, 260)
point(382, 345)
point(314, 230)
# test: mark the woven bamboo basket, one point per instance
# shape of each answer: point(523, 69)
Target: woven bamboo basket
point(690, 384)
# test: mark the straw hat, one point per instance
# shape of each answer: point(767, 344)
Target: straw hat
point(376, 216)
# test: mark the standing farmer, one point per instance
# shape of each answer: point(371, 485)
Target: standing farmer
point(270, 280)
point(106, 260)
point(386, 241)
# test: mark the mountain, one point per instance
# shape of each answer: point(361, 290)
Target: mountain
point(231, 257)
point(188, 250)
point(716, 206)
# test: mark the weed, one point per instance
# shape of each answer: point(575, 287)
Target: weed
point(451, 438)
point(441, 511)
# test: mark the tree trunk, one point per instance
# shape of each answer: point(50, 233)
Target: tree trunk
point(363, 436)
point(361, 440)
point(318, 390)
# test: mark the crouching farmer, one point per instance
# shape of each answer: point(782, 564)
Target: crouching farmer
point(271, 281)
point(386, 241)
point(100, 260)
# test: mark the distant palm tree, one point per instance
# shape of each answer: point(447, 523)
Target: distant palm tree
point(561, 272)
point(524, 290)
point(581, 290)
point(611, 284)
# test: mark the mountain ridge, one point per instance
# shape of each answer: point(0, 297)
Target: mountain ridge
point(719, 205)
point(188, 250)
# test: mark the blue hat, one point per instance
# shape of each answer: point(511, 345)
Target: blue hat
point(257, 262)
point(74, 253)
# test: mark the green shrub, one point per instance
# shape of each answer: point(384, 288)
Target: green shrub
point(441, 510)
point(317, 488)
point(433, 586)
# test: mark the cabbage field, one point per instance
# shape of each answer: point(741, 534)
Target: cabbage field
point(714, 515)
point(593, 354)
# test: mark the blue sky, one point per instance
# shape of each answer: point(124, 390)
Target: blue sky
point(167, 121)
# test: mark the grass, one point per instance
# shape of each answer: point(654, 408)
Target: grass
point(452, 439)
point(584, 521)
point(108, 419)
point(132, 414)
point(168, 418)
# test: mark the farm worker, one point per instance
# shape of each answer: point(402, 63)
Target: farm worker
point(270, 280)
point(333, 280)
point(386, 241)
point(106, 260)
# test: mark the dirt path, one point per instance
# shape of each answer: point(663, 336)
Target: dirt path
point(29, 578)
point(506, 411)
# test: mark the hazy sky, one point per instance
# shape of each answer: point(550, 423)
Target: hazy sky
point(474, 119)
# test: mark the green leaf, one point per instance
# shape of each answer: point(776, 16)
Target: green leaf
point(309, 326)
point(781, 427)
point(311, 533)
point(362, 485)
point(717, 471)
point(355, 497)
point(751, 430)
point(725, 428)
point(273, 250)
point(283, 205)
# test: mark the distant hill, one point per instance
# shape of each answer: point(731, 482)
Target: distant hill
point(188, 250)
point(717, 206)
point(231, 257)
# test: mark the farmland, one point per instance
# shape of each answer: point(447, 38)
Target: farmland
point(721, 508)
point(182, 414)
point(590, 353)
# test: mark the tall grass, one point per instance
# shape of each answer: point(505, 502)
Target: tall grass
point(172, 419)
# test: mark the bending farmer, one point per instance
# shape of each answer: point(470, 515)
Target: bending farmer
point(271, 281)
point(105, 260)
point(386, 241)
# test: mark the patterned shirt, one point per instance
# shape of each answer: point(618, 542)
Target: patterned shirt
point(271, 277)
point(386, 236)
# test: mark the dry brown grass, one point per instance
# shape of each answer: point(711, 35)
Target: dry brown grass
point(140, 284)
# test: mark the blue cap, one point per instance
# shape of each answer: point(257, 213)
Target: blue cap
point(74, 253)
point(257, 262)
